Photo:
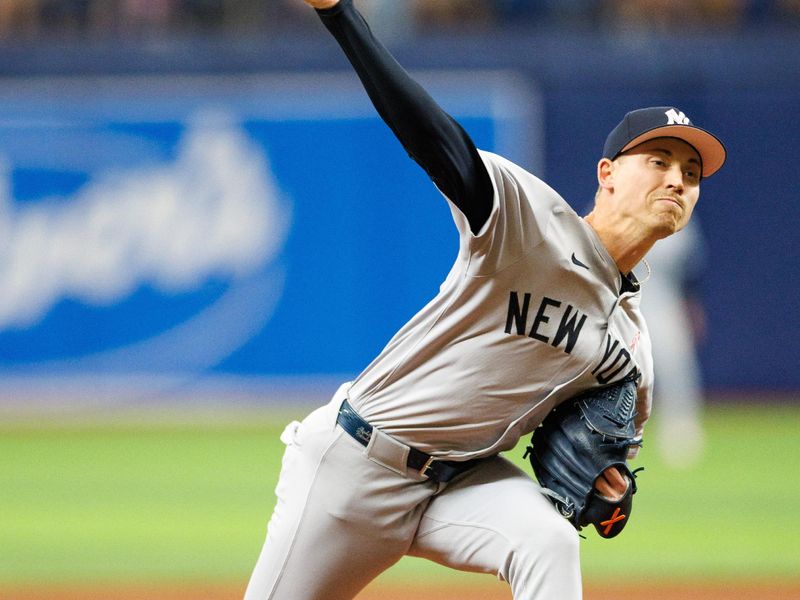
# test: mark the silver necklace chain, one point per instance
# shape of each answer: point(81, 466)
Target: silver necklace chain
point(649, 272)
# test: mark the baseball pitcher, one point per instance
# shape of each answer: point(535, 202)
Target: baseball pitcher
point(536, 330)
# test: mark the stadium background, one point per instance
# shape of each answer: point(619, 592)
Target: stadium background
point(205, 228)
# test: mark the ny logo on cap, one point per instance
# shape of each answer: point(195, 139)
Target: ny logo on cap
point(677, 117)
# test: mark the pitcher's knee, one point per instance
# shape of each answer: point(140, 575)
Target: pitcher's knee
point(553, 542)
point(563, 542)
point(544, 564)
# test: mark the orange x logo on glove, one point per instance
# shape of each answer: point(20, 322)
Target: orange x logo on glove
point(615, 518)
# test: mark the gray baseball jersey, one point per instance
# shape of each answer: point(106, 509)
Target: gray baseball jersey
point(532, 312)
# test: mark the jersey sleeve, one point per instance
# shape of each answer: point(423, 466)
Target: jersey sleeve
point(430, 136)
point(522, 206)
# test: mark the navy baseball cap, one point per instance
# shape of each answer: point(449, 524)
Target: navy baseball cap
point(641, 125)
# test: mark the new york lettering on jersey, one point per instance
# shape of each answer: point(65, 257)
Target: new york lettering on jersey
point(559, 324)
point(570, 320)
point(616, 363)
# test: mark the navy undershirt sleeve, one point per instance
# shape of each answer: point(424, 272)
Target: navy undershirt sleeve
point(430, 136)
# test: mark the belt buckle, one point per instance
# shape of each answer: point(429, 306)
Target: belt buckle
point(423, 472)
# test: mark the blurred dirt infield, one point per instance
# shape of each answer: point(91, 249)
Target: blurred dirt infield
point(495, 591)
point(701, 591)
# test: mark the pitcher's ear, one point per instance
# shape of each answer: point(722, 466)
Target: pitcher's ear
point(605, 173)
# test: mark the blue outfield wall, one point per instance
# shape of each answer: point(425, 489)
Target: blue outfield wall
point(270, 225)
point(749, 213)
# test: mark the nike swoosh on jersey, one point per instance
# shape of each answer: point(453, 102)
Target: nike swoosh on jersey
point(579, 263)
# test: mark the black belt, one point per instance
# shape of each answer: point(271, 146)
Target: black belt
point(426, 465)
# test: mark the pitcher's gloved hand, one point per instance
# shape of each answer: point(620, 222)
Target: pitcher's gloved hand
point(579, 456)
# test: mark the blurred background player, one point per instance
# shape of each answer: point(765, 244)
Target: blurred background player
point(675, 316)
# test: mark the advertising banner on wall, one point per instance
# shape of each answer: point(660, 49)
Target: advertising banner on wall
point(160, 231)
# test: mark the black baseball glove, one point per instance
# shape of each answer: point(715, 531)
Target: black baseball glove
point(579, 440)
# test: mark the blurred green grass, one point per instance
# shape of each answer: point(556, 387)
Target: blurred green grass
point(116, 502)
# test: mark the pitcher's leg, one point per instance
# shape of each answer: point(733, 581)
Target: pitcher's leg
point(339, 522)
point(495, 520)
